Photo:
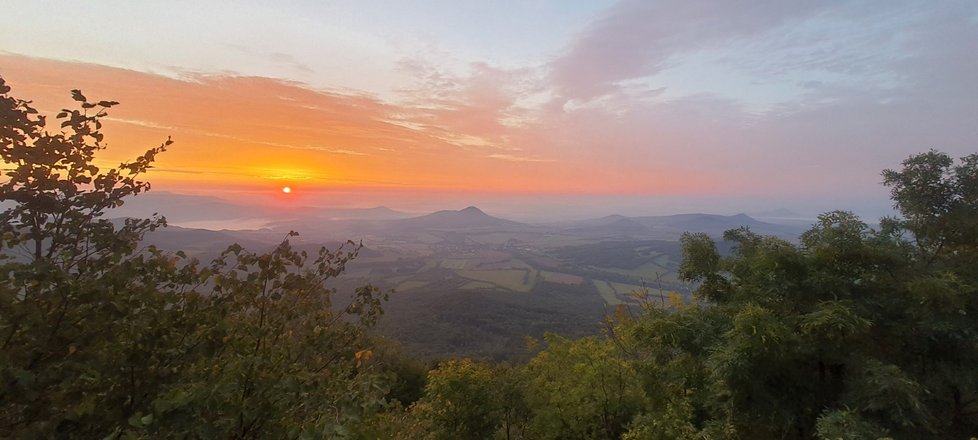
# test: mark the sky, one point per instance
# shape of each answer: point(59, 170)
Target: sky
point(535, 106)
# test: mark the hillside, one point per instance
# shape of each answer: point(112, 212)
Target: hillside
point(470, 217)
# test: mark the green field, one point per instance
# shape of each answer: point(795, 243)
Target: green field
point(505, 264)
point(561, 278)
point(511, 279)
point(454, 263)
point(647, 270)
point(607, 292)
point(624, 289)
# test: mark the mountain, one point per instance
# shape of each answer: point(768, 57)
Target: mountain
point(702, 222)
point(615, 224)
point(780, 213)
point(184, 208)
point(470, 217)
point(673, 225)
point(603, 221)
point(207, 244)
point(716, 224)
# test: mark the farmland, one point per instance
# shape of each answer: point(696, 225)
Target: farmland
point(468, 284)
point(524, 285)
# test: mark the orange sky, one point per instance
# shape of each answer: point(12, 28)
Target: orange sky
point(250, 132)
point(783, 104)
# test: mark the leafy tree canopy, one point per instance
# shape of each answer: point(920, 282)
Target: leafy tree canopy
point(852, 333)
point(101, 338)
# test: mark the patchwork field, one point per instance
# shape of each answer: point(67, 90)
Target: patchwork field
point(607, 292)
point(474, 285)
point(511, 279)
point(410, 284)
point(454, 263)
point(561, 278)
point(505, 264)
point(647, 270)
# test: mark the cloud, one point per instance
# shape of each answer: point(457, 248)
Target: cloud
point(638, 38)
point(514, 158)
point(274, 56)
point(470, 108)
point(237, 126)
point(148, 124)
point(846, 89)
point(285, 58)
point(668, 97)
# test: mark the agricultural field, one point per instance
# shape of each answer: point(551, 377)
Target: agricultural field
point(410, 284)
point(454, 263)
point(478, 295)
point(505, 264)
point(607, 292)
point(476, 285)
point(561, 278)
point(509, 279)
point(647, 271)
point(625, 290)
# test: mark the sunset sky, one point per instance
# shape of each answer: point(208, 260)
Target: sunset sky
point(681, 105)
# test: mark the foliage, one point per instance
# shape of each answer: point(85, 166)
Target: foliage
point(849, 333)
point(458, 401)
point(581, 389)
point(277, 360)
point(79, 311)
point(852, 333)
point(103, 339)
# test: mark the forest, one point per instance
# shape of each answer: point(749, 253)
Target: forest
point(849, 332)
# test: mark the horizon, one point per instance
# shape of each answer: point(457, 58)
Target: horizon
point(535, 111)
point(186, 211)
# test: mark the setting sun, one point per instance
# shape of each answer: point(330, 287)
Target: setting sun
point(698, 218)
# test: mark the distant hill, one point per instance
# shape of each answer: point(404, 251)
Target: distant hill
point(206, 244)
point(780, 213)
point(470, 217)
point(615, 224)
point(702, 222)
point(603, 221)
point(184, 208)
point(712, 224)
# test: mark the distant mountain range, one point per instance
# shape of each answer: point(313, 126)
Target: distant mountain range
point(470, 217)
point(202, 212)
point(178, 208)
point(712, 224)
point(780, 213)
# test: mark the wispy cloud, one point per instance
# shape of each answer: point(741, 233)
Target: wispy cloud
point(672, 96)
point(147, 124)
point(514, 158)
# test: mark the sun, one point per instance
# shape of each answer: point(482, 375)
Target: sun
point(286, 189)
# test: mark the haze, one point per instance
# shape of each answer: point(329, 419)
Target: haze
point(531, 110)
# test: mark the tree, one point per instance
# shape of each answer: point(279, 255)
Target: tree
point(99, 337)
point(582, 389)
point(852, 333)
point(75, 301)
point(459, 401)
point(273, 356)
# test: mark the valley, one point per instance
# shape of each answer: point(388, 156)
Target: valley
point(467, 284)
